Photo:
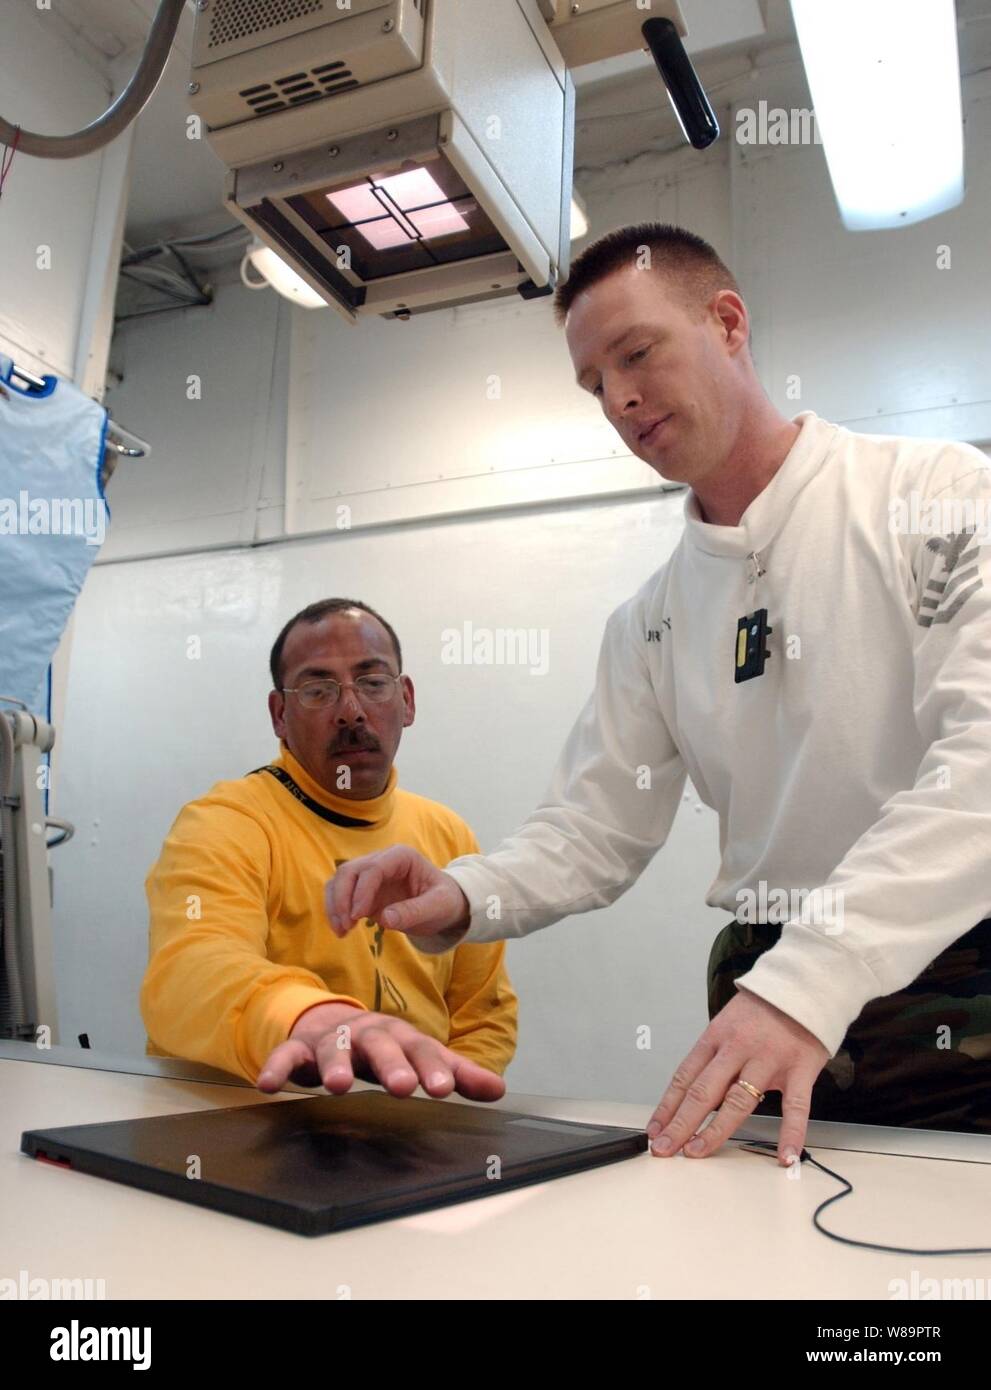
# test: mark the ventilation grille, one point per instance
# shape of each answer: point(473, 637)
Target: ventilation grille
point(238, 19)
point(297, 87)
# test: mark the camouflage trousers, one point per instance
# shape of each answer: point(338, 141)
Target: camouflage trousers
point(919, 1058)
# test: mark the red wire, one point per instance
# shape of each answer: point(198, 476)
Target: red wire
point(8, 159)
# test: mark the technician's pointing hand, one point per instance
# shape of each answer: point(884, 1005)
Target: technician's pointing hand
point(400, 889)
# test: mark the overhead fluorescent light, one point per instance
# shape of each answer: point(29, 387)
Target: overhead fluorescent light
point(885, 82)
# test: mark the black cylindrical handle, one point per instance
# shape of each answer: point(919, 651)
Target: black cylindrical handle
point(691, 105)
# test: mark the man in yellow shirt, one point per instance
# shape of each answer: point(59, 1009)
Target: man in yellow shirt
point(244, 972)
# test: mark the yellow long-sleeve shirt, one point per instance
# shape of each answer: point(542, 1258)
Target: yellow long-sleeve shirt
point(239, 942)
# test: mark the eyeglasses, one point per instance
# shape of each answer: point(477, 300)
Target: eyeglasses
point(318, 694)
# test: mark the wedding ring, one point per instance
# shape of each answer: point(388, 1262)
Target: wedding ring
point(757, 1095)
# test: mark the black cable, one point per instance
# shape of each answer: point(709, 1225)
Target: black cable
point(753, 1145)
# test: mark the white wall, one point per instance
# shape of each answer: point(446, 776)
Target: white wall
point(878, 340)
point(207, 387)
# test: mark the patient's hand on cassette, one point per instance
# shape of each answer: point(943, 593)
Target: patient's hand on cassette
point(332, 1044)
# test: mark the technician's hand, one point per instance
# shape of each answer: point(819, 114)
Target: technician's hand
point(331, 1044)
point(749, 1038)
point(400, 889)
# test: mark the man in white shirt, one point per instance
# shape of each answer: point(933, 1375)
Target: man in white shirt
point(816, 656)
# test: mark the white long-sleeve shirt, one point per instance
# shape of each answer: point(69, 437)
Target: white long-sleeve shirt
point(856, 770)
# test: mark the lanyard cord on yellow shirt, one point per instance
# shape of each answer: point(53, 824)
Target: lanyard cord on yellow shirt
point(325, 813)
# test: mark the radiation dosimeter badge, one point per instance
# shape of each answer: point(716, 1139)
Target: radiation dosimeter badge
point(751, 633)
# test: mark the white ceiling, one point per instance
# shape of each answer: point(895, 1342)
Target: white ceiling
point(622, 109)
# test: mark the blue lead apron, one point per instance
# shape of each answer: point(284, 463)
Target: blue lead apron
point(53, 517)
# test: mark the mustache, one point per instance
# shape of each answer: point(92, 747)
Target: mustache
point(353, 744)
